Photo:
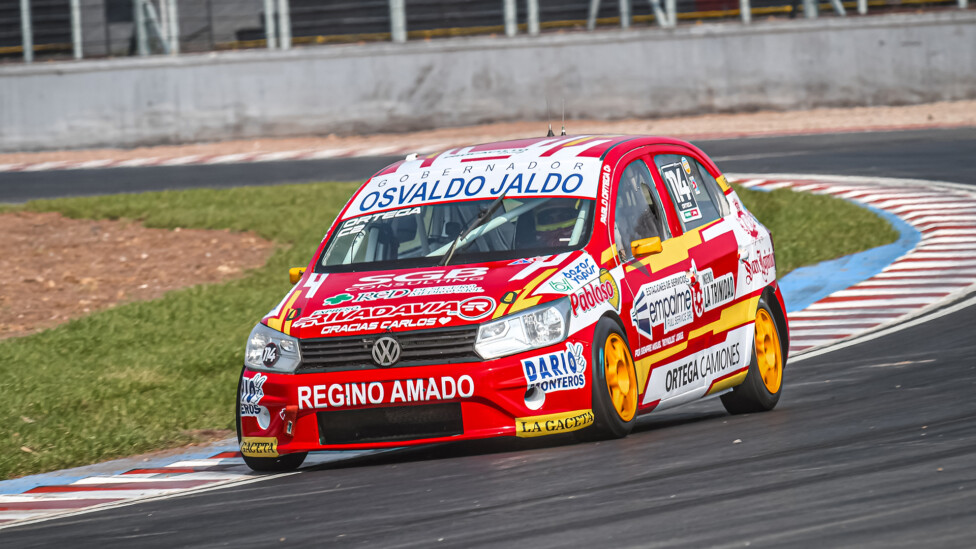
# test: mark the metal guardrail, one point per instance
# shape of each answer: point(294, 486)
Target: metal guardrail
point(103, 28)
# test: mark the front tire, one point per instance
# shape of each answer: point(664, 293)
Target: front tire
point(764, 381)
point(286, 462)
point(615, 388)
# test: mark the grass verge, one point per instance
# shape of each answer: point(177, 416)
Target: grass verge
point(146, 376)
point(810, 228)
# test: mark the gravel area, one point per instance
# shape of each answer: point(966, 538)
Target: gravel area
point(56, 269)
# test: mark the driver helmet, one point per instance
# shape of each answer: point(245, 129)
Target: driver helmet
point(554, 223)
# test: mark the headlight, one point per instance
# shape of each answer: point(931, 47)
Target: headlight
point(269, 350)
point(530, 329)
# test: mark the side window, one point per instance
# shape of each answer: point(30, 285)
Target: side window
point(638, 213)
point(688, 191)
point(711, 185)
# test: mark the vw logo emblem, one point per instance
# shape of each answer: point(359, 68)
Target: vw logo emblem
point(386, 351)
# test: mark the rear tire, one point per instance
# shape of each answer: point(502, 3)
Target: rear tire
point(764, 381)
point(286, 462)
point(615, 388)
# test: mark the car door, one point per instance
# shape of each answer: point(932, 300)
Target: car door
point(718, 343)
point(654, 273)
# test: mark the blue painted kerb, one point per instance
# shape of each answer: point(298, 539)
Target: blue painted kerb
point(807, 285)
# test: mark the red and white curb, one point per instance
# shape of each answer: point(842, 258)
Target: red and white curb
point(940, 268)
point(93, 493)
point(101, 491)
point(236, 158)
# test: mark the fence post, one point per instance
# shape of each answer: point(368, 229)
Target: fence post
point(76, 28)
point(511, 23)
point(398, 20)
point(963, 4)
point(659, 16)
point(810, 9)
point(284, 24)
point(139, 20)
point(533, 17)
point(862, 7)
point(26, 31)
point(594, 10)
point(625, 14)
point(672, 8)
point(745, 10)
point(174, 28)
point(270, 31)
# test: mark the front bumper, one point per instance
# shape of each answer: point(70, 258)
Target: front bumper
point(451, 402)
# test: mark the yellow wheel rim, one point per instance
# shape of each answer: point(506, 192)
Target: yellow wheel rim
point(618, 369)
point(769, 354)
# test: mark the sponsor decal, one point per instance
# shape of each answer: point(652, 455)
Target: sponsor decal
point(686, 166)
point(682, 191)
point(691, 215)
point(696, 371)
point(259, 446)
point(763, 264)
point(509, 297)
point(340, 395)
point(418, 292)
point(252, 391)
point(714, 361)
point(551, 424)
point(559, 371)
point(667, 301)
point(419, 278)
point(572, 277)
point(399, 316)
point(595, 293)
point(540, 264)
point(659, 344)
point(356, 224)
point(605, 195)
point(475, 181)
point(337, 299)
point(745, 219)
point(524, 261)
point(716, 291)
point(707, 292)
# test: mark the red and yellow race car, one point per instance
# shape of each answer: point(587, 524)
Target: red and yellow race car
point(523, 288)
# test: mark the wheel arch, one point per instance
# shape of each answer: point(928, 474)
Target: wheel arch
point(769, 295)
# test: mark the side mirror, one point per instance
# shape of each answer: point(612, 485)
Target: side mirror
point(295, 274)
point(646, 246)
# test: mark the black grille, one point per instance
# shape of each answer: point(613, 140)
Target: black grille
point(437, 346)
point(392, 423)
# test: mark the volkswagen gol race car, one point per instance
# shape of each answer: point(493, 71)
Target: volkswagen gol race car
point(523, 288)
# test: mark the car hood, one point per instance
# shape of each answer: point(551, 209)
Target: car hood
point(369, 302)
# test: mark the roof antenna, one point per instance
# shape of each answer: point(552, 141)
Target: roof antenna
point(549, 117)
point(564, 116)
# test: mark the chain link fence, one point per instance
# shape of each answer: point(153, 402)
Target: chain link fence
point(64, 29)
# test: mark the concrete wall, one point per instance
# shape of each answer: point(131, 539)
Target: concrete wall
point(897, 59)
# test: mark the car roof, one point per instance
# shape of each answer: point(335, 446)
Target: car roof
point(571, 146)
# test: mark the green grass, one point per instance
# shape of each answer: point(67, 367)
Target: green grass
point(810, 228)
point(144, 376)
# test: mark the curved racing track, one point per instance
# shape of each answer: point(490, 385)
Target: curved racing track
point(872, 444)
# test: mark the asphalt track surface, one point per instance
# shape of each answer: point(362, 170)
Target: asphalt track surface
point(945, 155)
point(873, 445)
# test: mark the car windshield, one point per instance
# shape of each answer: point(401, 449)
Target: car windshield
point(422, 236)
